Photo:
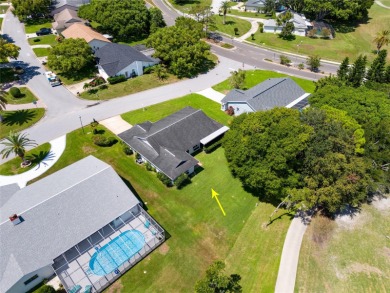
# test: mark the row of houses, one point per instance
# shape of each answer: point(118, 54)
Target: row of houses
point(112, 59)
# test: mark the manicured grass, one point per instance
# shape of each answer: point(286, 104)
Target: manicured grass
point(43, 40)
point(352, 257)
point(248, 14)
point(35, 155)
point(19, 120)
point(41, 52)
point(231, 23)
point(199, 233)
point(253, 77)
point(158, 111)
point(131, 86)
point(187, 5)
point(348, 44)
point(28, 97)
point(32, 27)
point(3, 9)
point(1, 22)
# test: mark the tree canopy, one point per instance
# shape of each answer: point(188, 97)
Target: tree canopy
point(8, 50)
point(126, 20)
point(217, 281)
point(180, 48)
point(70, 55)
point(24, 8)
point(264, 150)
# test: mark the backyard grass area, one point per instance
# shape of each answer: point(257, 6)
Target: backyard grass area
point(347, 256)
point(19, 120)
point(33, 26)
point(198, 232)
point(35, 155)
point(253, 77)
point(130, 86)
point(41, 52)
point(158, 111)
point(231, 23)
point(187, 5)
point(346, 44)
point(27, 97)
point(43, 40)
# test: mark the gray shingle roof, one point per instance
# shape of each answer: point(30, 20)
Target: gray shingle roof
point(255, 3)
point(77, 3)
point(58, 212)
point(165, 142)
point(115, 57)
point(273, 92)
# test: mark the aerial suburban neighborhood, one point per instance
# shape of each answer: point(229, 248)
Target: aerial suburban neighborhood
point(194, 146)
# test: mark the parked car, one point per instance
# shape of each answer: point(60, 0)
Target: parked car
point(44, 31)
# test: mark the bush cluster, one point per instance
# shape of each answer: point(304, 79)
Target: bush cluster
point(164, 179)
point(212, 147)
point(116, 79)
point(284, 60)
point(127, 150)
point(149, 167)
point(182, 181)
point(101, 140)
point(15, 92)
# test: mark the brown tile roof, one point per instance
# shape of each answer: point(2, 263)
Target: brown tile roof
point(79, 30)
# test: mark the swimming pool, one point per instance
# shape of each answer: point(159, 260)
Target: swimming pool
point(116, 252)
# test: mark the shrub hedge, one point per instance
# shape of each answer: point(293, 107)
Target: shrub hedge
point(116, 79)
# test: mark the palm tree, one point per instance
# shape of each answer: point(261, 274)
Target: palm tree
point(16, 143)
point(224, 8)
point(382, 39)
point(3, 101)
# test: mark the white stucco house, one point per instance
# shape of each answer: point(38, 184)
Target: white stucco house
point(116, 59)
point(80, 31)
point(273, 92)
point(301, 25)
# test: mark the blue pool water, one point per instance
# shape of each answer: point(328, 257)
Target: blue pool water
point(116, 252)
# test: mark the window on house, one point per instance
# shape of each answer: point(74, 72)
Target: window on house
point(196, 147)
point(30, 280)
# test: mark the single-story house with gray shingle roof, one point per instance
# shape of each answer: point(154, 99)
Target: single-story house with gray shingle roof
point(273, 92)
point(168, 143)
point(254, 5)
point(65, 19)
point(56, 226)
point(116, 59)
point(301, 24)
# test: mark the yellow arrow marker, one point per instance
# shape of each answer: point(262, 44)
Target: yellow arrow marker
point(214, 195)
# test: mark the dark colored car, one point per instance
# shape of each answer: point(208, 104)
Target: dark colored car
point(44, 31)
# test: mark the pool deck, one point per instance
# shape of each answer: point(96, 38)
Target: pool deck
point(72, 267)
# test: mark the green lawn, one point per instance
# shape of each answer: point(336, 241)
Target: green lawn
point(156, 112)
point(253, 77)
point(352, 257)
point(3, 9)
point(32, 27)
point(231, 23)
point(43, 40)
point(41, 52)
point(247, 14)
point(131, 86)
point(348, 44)
point(199, 233)
point(19, 120)
point(28, 97)
point(36, 155)
point(1, 22)
point(186, 6)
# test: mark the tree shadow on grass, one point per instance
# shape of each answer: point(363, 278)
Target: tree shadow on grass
point(88, 72)
point(230, 22)
point(18, 117)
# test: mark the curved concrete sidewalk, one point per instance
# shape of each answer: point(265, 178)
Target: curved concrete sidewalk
point(382, 5)
point(254, 28)
point(285, 282)
point(57, 148)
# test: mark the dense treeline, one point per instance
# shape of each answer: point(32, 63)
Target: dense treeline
point(333, 154)
point(24, 8)
point(125, 20)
